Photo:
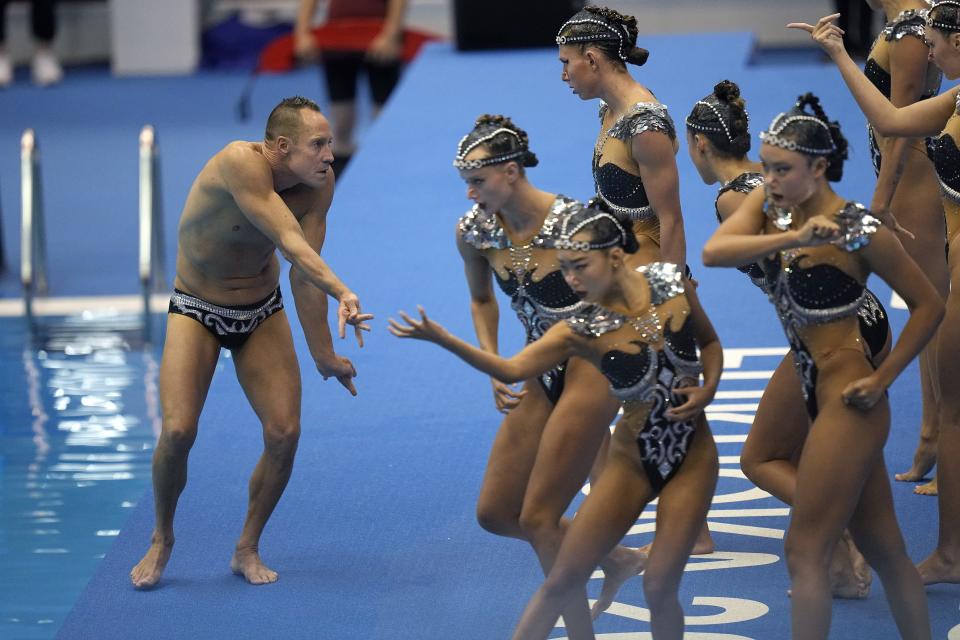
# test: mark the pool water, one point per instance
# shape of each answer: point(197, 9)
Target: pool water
point(79, 415)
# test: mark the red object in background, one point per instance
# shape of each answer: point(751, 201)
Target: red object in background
point(354, 34)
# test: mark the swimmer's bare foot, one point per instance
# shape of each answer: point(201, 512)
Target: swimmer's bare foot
point(850, 575)
point(622, 564)
point(929, 489)
point(937, 569)
point(147, 573)
point(247, 563)
point(923, 460)
point(702, 547)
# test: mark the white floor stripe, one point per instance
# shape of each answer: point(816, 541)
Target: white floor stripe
point(745, 375)
point(896, 302)
point(733, 407)
point(738, 395)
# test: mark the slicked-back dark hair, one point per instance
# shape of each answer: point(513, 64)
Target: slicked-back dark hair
point(609, 31)
point(285, 119)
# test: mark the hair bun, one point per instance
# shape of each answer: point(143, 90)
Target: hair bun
point(726, 91)
point(638, 56)
point(491, 119)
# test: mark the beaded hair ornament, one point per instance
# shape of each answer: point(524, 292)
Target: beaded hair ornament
point(723, 128)
point(612, 33)
point(572, 224)
point(773, 135)
point(946, 26)
point(463, 149)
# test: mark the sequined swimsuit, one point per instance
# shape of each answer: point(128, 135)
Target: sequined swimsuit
point(619, 189)
point(943, 152)
point(743, 183)
point(874, 325)
point(818, 294)
point(908, 23)
point(644, 361)
point(529, 274)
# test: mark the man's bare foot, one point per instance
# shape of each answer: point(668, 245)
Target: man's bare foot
point(702, 547)
point(850, 575)
point(923, 460)
point(147, 573)
point(247, 563)
point(929, 489)
point(622, 564)
point(936, 569)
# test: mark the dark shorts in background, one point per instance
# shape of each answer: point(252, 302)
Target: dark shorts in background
point(342, 70)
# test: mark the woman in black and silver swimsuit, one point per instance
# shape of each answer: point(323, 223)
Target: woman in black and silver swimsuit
point(634, 165)
point(938, 117)
point(815, 267)
point(641, 328)
point(899, 67)
point(718, 140)
point(553, 427)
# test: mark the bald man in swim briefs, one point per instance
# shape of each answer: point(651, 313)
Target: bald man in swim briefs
point(250, 199)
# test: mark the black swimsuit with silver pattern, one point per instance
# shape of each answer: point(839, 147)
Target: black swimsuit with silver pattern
point(743, 183)
point(650, 376)
point(818, 294)
point(945, 156)
point(908, 23)
point(874, 324)
point(620, 190)
point(538, 304)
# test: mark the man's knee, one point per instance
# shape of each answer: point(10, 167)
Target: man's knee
point(178, 436)
point(282, 436)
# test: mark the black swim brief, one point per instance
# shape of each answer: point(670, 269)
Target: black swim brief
point(230, 325)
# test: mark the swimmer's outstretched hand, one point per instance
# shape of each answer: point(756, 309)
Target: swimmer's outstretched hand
point(825, 33)
point(349, 313)
point(340, 368)
point(864, 393)
point(424, 329)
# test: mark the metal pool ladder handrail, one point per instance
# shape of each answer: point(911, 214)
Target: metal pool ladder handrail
point(33, 236)
point(151, 221)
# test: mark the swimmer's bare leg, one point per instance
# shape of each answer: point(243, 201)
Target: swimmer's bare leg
point(268, 371)
point(190, 356)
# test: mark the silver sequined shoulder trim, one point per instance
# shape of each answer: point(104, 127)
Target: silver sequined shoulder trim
point(602, 111)
point(482, 230)
point(780, 217)
point(643, 116)
point(593, 321)
point(857, 225)
point(911, 22)
point(665, 280)
point(743, 183)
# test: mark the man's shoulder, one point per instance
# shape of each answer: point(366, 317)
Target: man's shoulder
point(240, 153)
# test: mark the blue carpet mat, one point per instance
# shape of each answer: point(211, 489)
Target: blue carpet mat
point(375, 537)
